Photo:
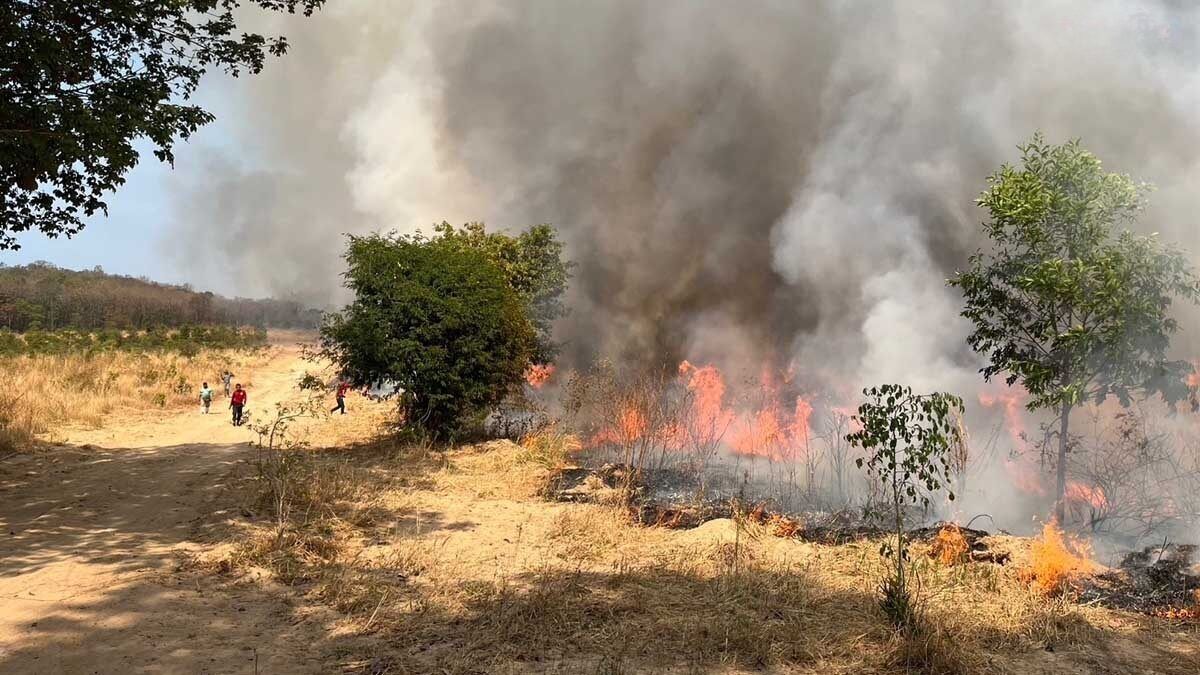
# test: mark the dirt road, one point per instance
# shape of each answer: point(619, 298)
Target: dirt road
point(92, 536)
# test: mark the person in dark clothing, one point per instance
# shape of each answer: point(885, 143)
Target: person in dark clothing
point(343, 387)
point(236, 402)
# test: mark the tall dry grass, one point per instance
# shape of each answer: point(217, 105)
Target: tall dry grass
point(42, 393)
point(447, 561)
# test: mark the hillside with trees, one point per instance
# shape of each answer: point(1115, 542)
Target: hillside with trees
point(41, 296)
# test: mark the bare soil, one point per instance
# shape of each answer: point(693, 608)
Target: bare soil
point(93, 532)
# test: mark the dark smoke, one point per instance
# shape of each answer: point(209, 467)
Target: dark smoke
point(735, 180)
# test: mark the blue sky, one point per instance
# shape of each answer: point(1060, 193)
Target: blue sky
point(125, 242)
point(131, 239)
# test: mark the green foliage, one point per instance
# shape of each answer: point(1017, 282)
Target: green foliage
point(310, 382)
point(1066, 302)
point(187, 342)
point(908, 440)
point(437, 318)
point(532, 263)
point(80, 81)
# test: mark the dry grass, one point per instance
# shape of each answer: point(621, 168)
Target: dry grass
point(549, 447)
point(44, 393)
point(449, 563)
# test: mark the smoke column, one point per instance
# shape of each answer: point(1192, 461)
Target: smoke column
point(785, 180)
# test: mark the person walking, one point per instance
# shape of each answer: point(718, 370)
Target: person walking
point(236, 402)
point(206, 396)
point(227, 380)
point(343, 387)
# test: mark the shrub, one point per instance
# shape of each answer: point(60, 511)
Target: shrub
point(907, 438)
point(438, 319)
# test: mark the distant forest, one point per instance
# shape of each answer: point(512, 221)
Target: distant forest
point(40, 296)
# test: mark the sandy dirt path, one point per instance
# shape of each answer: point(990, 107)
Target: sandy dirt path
point(92, 535)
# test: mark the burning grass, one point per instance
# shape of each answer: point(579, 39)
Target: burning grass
point(950, 547)
point(1057, 562)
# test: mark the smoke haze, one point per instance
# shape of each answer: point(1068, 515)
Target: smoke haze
point(785, 180)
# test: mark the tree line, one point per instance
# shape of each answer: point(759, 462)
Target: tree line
point(186, 340)
point(43, 297)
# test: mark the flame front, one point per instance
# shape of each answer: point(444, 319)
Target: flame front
point(1056, 559)
point(776, 428)
point(539, 374)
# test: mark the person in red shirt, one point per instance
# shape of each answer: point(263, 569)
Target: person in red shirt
point(236, 402)
point(343, 387)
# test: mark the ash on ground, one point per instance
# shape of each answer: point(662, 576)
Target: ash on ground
point(673, 499)
point(1154, 580)
point(1161, 580)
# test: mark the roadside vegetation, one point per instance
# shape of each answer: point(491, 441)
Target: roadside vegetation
point(454, 561)
point(51, 382)
point(187, 340)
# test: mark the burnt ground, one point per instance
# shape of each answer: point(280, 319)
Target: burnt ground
point(1158, 580)
point(1151, 580)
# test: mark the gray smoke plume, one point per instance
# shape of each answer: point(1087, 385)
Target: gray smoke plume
point(738, 182)
point(792, 180)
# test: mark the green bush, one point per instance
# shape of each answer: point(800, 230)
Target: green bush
point(437, 318)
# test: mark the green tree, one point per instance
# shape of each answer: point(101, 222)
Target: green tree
point(907, 438)
point(1066, 303)
point(438, 319)
point(80, 80)
point(533, 263)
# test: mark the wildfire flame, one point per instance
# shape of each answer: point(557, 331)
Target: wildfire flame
point(538, 375)
point(950, 547)
point(777, 429)
point(1013, 402)
point(771, 431)
point(1056, 559)
point(1086, 494)
point(708, 416)
point(630, 427)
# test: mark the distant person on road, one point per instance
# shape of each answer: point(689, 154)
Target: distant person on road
point(343, 387)
point(227, 380)
point(236, 402)
point(206, 396)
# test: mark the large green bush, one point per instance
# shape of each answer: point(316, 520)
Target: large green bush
point(533, 265)
point(437, 318)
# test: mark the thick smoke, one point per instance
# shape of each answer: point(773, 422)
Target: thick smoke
point(789, 180)
point(738, 182)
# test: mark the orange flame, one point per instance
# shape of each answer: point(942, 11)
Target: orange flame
point(631, 427)
point(539, 374)
point(1013, 401)
point(1080, 493)
point(708, 415)
point(769, 431)
point(1056, 560)
point(950, 547)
